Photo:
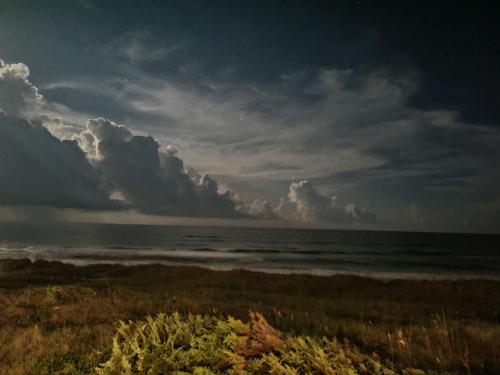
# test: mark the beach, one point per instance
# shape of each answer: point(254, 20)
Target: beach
point(58, 316)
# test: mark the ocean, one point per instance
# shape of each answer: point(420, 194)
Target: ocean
point(319, 252)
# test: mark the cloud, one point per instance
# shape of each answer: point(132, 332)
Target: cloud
point(254, 128)
point(20, 97)
point(17, 93)
point(304, 204)
point(316, 125)
point(58, 126)
point(151, 179)
point(103, 167)
point(139, 47)
point(261, 209)
point(38, 169)
point(344, 128)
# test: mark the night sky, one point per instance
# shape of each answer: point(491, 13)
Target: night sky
point(349, 114)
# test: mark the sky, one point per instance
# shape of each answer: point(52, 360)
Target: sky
point(342, 114)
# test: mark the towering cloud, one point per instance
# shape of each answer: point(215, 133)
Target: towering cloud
point(106, 160)
point(108, 167)
point(150, 179)
point(38, 169)
point(305, 204)
point(17, 93)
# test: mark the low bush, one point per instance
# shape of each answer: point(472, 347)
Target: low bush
point(176, 344)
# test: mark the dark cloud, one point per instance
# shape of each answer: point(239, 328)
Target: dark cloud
point(106, 160)
point(152, 180)
point(38, 169)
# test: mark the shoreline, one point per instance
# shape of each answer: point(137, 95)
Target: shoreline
point(423, 276)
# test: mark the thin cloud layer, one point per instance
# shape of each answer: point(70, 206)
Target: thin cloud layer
point(140, 47)
point(310, 125)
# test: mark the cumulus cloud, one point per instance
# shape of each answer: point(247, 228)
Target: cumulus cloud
point(261, 209)
point(103, 167)
point(304, 204)
point(151, 179)
point(107, 166)
point(38, 169)
point(17, 93)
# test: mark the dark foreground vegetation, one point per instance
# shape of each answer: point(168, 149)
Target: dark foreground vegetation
point(62, 319)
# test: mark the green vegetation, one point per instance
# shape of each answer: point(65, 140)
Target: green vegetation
point(61, 319)
point(204, 345)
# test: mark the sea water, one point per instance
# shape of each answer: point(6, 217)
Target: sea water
point(322, 252)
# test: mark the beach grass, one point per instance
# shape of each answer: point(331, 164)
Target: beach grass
point(61, 319)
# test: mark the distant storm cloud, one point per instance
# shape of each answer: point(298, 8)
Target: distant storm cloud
point(36, 168)
point(306, 205)
point(150, 179)
point(103, 163)
point(106, 166)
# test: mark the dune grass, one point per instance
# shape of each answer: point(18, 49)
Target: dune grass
point(61, 319)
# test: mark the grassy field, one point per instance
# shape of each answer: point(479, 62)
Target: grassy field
point(61, 319)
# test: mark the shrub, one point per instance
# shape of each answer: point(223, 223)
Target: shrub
point(175, 344)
